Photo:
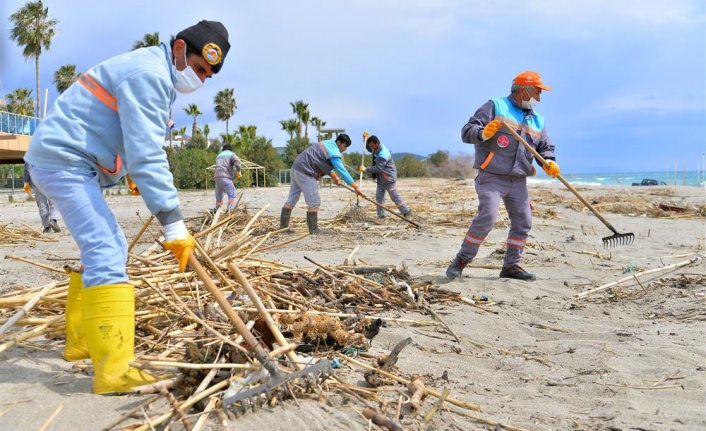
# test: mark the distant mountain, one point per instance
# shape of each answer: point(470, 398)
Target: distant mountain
point(397, 156)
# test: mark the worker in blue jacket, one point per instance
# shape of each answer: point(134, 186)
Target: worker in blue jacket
point(503, 165)
point(112, 122)
point(385, 173)
point(322, 158)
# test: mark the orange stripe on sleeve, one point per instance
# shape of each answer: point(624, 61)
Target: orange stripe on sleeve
point(99, 92)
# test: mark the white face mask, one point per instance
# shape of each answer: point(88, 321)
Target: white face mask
point(530, 104)
point(187, 79)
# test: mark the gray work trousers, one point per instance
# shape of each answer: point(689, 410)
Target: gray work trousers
point(303, 184)
point(391, 189)
point(47, 210)
point(492, 188)
point(225, 186)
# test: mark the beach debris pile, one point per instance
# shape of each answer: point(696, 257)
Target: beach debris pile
point(326, 312)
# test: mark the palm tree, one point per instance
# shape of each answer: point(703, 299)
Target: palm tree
point(64, 77)
point(289, 126)
point(248, 133)
point(316, 122)
point(228, 138)
point(147, 40)
point(193, 110)
point(33, 29)
point(206, 131)
point(306, 117)
point(298, 108)
point(245, 136)
point(20, 102)
point(224, 105)
point(180, 132)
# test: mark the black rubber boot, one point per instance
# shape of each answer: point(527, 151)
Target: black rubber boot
point(284, 218)
point(312, 220)
point(456, 268)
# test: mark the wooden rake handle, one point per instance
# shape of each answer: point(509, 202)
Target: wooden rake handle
point(243, 330)
point(255, 298)
point(413, 223)
point(563, 181)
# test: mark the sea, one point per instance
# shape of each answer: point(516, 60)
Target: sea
point(684, 178)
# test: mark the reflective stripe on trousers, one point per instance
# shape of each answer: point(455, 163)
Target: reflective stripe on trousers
point(491, 189)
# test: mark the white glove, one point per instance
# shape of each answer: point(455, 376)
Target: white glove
point(176, 230)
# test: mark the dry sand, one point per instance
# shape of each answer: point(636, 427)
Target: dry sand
point(627, 358)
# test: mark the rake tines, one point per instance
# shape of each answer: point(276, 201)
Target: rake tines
point(260, 395)
point(618, 239)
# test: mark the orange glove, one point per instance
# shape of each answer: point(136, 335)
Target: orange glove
point(357, 189)
point(552, 169)
point(491, 128)
point(182, 249)
point(335, 178)
point(28, 189)
point(132, 186)
point(238, 175)
point(361, 169)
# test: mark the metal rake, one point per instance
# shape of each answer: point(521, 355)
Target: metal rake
point(609, 241)
point(259, 395)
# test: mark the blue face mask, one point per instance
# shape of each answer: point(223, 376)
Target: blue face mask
point(187, 80)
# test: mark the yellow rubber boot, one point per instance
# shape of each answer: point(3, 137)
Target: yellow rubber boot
point(109, 327)
point(76, 347)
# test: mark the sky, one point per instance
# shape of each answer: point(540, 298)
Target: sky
point(628, 76)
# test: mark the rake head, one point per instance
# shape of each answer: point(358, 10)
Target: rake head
point(260, 395)
point(618, 239)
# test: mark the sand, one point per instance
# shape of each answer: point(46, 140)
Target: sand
point(630, 357)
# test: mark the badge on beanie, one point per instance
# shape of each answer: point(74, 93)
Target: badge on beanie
point(212, 53)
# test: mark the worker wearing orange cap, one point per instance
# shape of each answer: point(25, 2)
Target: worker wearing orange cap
point(503, 165)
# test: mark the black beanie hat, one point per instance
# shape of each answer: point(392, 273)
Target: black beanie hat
point(210, 38)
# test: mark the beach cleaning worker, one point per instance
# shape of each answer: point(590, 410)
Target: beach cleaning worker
point(385, 173)
point(322, 158)
point(227, 168)
point(111, 122)
point(47, 210)
point(503, 166)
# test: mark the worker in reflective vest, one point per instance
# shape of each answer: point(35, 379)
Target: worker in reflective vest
point(503, 165)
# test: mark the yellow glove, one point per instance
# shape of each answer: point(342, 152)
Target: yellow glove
point(238, 175)
point(182, 249)
point(552, 169)
point(132, 186)
point(28, 189)
point(361, 169)
point(491, 128)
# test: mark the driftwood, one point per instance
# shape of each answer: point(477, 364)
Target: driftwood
point(638, 274)
point(391, 359)
point(380, 419)
point(417, 391)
